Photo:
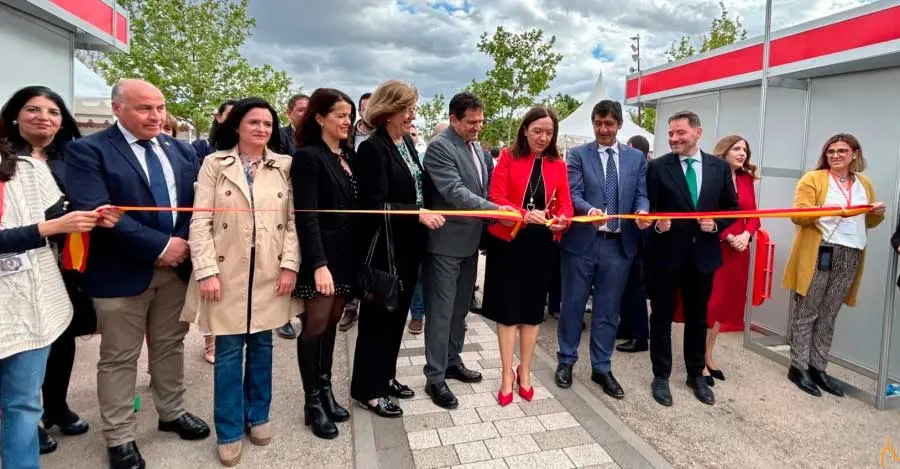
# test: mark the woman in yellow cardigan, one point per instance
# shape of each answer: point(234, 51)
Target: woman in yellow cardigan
point(823, 273)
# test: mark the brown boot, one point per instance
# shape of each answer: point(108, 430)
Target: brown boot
point(261, 435)
point(230, 454)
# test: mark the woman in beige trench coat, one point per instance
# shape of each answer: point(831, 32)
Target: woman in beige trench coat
point(245, 266)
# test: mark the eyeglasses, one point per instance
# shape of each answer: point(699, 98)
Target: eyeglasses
point(838, 152)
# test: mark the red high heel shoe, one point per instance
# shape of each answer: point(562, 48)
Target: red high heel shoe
point(527, 395)
point(505, 399)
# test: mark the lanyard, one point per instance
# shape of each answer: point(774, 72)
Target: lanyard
point(848, 195)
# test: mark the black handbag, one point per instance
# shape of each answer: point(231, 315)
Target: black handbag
point(379, 286)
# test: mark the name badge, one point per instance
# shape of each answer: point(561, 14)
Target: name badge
point(848, 227)
point(14, 263)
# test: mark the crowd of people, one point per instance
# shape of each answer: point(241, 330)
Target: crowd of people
point(247, 229)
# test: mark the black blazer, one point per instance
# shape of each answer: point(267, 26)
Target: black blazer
point(385, 182)
point(895, 242)
point(685, 245)
point(319, 183)
point(286, 136)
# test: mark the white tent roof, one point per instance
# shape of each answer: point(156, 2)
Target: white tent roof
point(88, 84)
point(92, 97)
point(577, 127)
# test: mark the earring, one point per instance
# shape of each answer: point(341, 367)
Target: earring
point(15, 122)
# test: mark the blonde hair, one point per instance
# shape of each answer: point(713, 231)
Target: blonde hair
point(389, 98)
point(172, 122)
point(725, 144)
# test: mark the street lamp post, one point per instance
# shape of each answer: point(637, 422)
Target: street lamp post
point(636, 57)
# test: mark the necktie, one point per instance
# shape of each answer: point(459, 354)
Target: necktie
point(158, 186)
point(612, 190)
point(691, 177)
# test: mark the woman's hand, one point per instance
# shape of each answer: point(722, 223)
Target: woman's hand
point(109, 216)
point(432, 221)
point(740, 242)
point(878, 208)
point(536, 217)
point(324, 282)
point(211, 289)
point(72, 222)
point(559, 223)
point(286, 282)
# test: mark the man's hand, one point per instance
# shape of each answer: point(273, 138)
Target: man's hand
point(707, 225)
point(597, 211)
point(559, 223)
point(642, 224)
point(507, 208)
point(175, 254)
point(663, 225)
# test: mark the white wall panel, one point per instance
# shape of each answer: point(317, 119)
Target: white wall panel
point(34, 54)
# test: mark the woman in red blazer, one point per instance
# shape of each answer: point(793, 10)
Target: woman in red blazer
point(532, 177)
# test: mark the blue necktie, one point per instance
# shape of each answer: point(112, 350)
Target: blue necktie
point(612, 190)
point(158, 186)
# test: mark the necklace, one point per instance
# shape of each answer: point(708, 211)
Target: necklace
point(531, 190)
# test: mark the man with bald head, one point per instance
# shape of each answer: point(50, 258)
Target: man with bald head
point(137, 272)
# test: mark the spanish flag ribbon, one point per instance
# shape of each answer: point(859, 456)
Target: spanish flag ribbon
point(75, 251)
point(807, 212)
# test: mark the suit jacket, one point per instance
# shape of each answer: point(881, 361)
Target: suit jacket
point(287, 140)
point(202, 148)
point(102, 169)
point(326, 239)
point(449, 162)
point(587, 180)
point(685, 245)
point(385, 182)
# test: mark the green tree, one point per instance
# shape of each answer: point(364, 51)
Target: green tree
point(647, 118)
point(190, 49)
point(723, 31)
point(562, 104)
point(432, 112)
point(524, 66)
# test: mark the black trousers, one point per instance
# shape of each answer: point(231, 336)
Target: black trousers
point(379, 336)
point(59, 372)
point(633, 322)
point(695, 289)
point(554, 296)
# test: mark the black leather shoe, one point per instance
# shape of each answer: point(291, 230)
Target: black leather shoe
point(701, 390)
point(383, 408)
point(188, 427)
point(315, 416)
point(47, 443)
point(125, 456)
point(633, 346)
point(441, 395)
point(710, 381)
point(803, 381)
point(609, 384)
point(461, 373)
point(660, 390)
point(825, 382)
point(400, 390)
point(564, 375)
point(69, 423)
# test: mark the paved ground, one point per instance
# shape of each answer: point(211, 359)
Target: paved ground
point(293, 445)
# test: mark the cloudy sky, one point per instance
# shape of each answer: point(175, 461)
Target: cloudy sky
point(356, 44)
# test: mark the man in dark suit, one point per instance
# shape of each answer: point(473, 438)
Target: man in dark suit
point(296, 108)
point(605, 177)
point(461, 177)
point(684, 254)
point(137, 272)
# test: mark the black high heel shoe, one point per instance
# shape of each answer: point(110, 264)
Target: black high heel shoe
point(717, 374)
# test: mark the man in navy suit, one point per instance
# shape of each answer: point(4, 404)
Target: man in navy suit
point(683, 255)
point(605, 177)
point(296, 108)
point(137, 271)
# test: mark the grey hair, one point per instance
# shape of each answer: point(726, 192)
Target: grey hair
point(116, 92)
point(692, 118)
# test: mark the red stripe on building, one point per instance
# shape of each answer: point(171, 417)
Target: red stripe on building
point(98, 14)
point(853, 33)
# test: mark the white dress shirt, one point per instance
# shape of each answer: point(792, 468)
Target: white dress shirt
point(698, 167)
point(168, 171)
point(851, 231)
point(476, 160)
point(604, 160)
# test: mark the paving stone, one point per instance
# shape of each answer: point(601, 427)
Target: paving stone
point(467, 433)
point(414, 343)
point(418, 360)
point(414, 380)
point(540, 407)
point(472, 452)
point(555, 459)
point(491, 373)
point(540, 393)
point(609, 465)
point(519, 426)
point(403, 361)
point(586, 455)
point(459, 388)
point(562, 438)
point(489, 345)
point(408, 371)
point(418, 423)
point(495, 412)
point(423, 439)
point(511, 446)
point(441, 456)
point(472, 401)
point(487, 385)
point(464, 416)
point(481, 339)
point(490, 363)
point(489, 464)
point(490, 354)
point(468, 357)
point(424, 406)
point(558, 420)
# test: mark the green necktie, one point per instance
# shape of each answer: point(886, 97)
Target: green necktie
point(691, 177)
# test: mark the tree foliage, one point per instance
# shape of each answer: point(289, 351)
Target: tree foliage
point(190, 49)
point(723, 31)
point(432, 112)
point(647, 118)
point(524, 65)
point(562, 104)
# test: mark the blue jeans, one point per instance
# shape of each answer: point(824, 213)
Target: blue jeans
point(417, 308)
point(241, 398)
point(21, 376)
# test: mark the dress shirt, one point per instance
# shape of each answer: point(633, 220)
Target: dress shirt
point(850, 231)
point(477, 162)
point(604, 158)
point(698, 167)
